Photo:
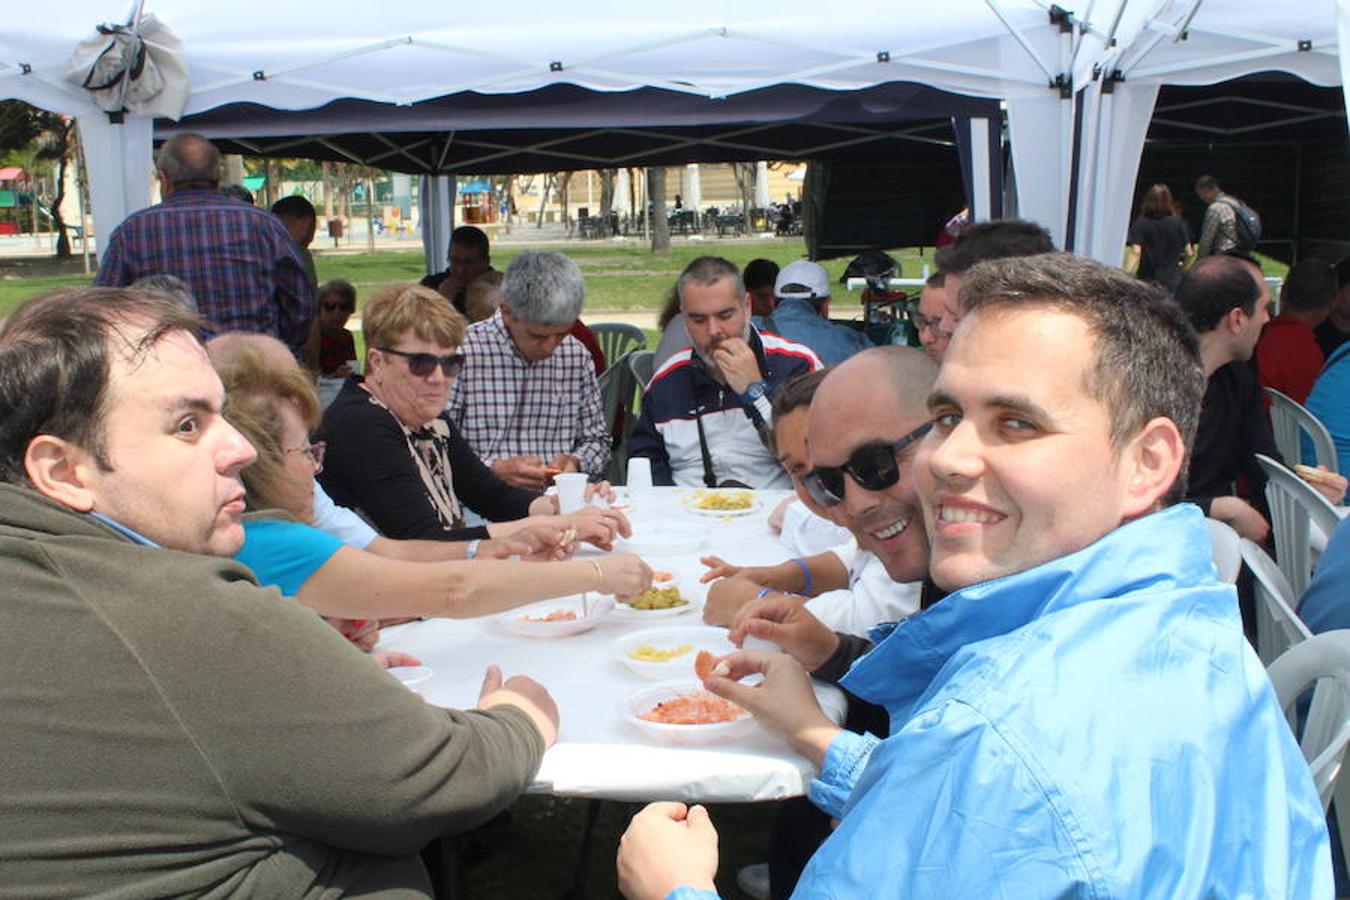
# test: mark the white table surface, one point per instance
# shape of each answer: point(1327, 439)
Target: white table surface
point(598, 753)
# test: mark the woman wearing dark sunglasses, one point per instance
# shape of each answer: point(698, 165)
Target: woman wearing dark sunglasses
point(331, 349)
point(275, 408)
point(395, 457)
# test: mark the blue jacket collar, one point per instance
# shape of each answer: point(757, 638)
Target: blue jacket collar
point(1162, 551)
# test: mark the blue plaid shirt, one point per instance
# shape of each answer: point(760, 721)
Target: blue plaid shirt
point(244, 269)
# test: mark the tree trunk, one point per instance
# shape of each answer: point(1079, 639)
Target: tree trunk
point(326, 174)
point(544, 191)
point(61, 148)
point(607, 177)
point(656, 190)
point(565, 198)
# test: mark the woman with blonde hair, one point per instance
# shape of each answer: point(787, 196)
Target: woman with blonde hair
point(275, 409)
point(396, 458)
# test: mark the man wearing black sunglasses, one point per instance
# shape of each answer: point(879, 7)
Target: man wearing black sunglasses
point(1082, 716)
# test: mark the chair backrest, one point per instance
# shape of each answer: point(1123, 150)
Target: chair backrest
point(1294, 507)
point(617, 338)
point(1289, 419)
point(618, 386)
point(641, 363)
point(1278, 627)
point(1227, 552)
point(1323, 662)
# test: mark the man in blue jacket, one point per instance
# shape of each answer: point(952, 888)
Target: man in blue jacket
point(1081, 717)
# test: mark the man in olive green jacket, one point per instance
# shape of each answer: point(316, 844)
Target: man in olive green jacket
point(167, 727)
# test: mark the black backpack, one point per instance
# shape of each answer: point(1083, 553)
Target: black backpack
point(1248, 224)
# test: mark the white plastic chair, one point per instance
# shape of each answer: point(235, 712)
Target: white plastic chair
point(1278, 627)
point(1322, 662)
point(1288, 418)
point(1294, 507)
point(1227, 552)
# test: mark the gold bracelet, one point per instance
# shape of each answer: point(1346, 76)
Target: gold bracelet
point(599, 573)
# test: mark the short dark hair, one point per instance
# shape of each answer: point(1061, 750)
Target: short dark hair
point(238, 192)
point(1343, 271)
point(1213, 287)
point(470, 236)
point(294, 208)
point(340, 288)
point(707, 270)
point(55, 364)
point(795, 394)
point(758, 272)
point(999, 239)
point(1311, 285)
point(1147, 359)
point(1207, 183)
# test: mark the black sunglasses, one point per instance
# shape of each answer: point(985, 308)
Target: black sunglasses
point(873, 466)
point(423, 364)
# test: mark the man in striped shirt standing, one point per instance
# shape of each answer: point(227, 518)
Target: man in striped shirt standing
point(245, 270)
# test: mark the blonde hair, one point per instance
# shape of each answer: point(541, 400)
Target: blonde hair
point(256, 389)
point(398, 309)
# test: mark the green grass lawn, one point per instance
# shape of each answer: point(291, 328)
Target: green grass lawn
point(618, 276)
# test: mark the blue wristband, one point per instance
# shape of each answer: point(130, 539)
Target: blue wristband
point(763, 592)
point(806, 576)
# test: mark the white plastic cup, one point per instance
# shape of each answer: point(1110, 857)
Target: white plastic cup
point(639, 475)
point(571, 491)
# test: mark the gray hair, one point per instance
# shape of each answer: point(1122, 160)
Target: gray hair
point(170, 287)
point(708, 270)
point(543, 287)
point(189, 158)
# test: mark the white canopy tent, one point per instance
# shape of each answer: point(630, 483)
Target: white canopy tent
point(1046, 63)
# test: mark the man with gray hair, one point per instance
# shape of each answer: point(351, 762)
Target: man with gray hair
point(236, 259)
point(527, 400)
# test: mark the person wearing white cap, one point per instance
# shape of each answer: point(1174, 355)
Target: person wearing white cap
point(803, 314)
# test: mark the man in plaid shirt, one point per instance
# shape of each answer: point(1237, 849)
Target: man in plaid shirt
point(527, 401)
point(245, 270)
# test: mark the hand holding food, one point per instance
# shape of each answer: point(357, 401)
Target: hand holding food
point(783, 702)
point(623, 576)
point(528, 472)
point(598, 526)
point(564, 462)
point(1326, 482)
point(785, 621)
point(602, 489)
point(666, 846)
point(524, 693)
point(737, 363)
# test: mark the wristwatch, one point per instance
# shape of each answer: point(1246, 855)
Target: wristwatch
point(753, 391)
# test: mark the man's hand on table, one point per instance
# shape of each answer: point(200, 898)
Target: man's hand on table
point(783, 702)
point(528, 472)
point(667, 845)
point(726, 596)
point(1241, 516)
point(737, 363)
point(784, 620)
point(526, 695)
